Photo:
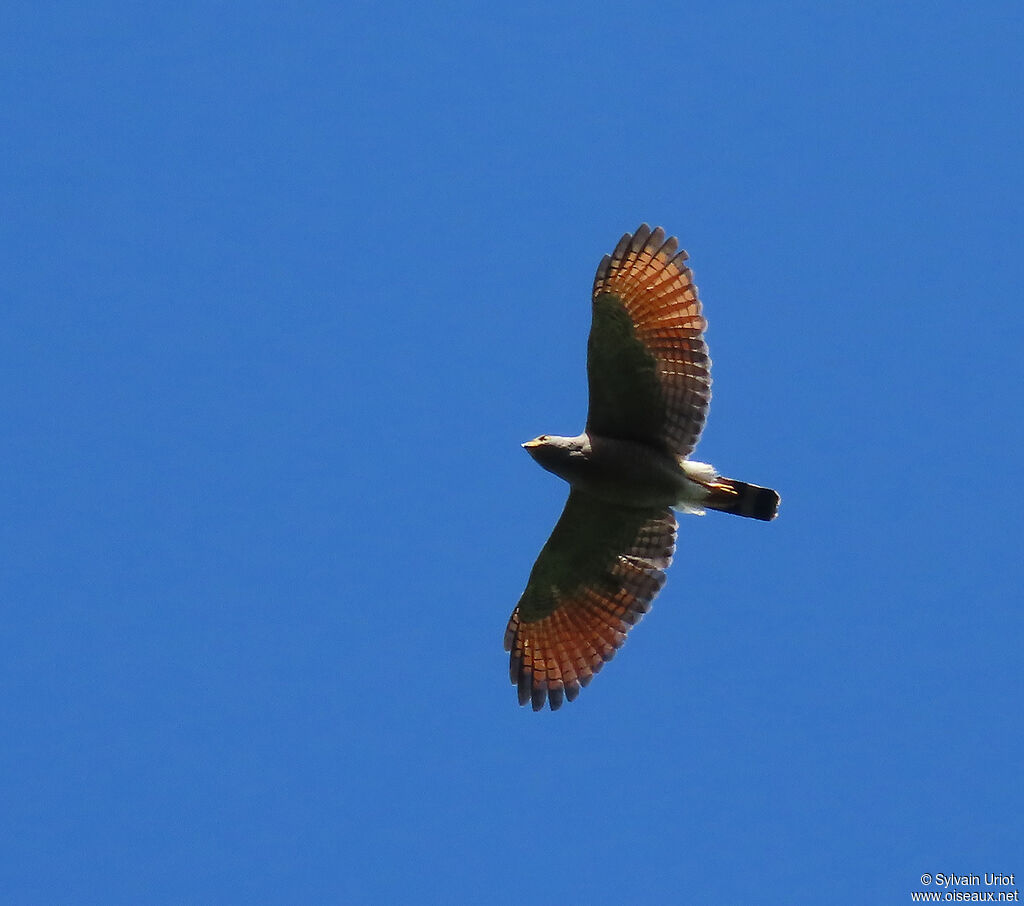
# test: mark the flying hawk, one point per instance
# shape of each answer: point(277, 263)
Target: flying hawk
point(650, 384)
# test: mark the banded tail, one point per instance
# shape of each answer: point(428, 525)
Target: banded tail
point(730, 496)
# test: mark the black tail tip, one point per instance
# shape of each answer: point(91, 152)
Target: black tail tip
point(742, 499)
point(762, 503)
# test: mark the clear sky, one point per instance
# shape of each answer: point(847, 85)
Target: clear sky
point(284, 288)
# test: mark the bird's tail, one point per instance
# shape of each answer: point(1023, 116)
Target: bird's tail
point(730, 496)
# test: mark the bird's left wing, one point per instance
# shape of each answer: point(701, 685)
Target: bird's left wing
point(594, 579)
point(647, 362)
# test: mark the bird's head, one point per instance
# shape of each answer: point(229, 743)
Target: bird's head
point(533, 445)
point(553, 452)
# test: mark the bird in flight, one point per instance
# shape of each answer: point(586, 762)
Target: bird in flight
point(649, 377)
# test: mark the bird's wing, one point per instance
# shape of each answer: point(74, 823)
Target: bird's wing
point(647, 363)
point(594, 579)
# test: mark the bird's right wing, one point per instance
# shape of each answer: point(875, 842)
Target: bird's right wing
point(647, 363)
point(594, 579)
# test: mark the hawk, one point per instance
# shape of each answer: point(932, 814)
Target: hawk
point(649, 378)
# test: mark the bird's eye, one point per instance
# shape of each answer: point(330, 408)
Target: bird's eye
point(543, 437)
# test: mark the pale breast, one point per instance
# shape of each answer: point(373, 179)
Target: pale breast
point(622, 471)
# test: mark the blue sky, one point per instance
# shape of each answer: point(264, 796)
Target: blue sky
point(286, 286)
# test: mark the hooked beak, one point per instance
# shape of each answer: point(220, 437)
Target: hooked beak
point(530, 444)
